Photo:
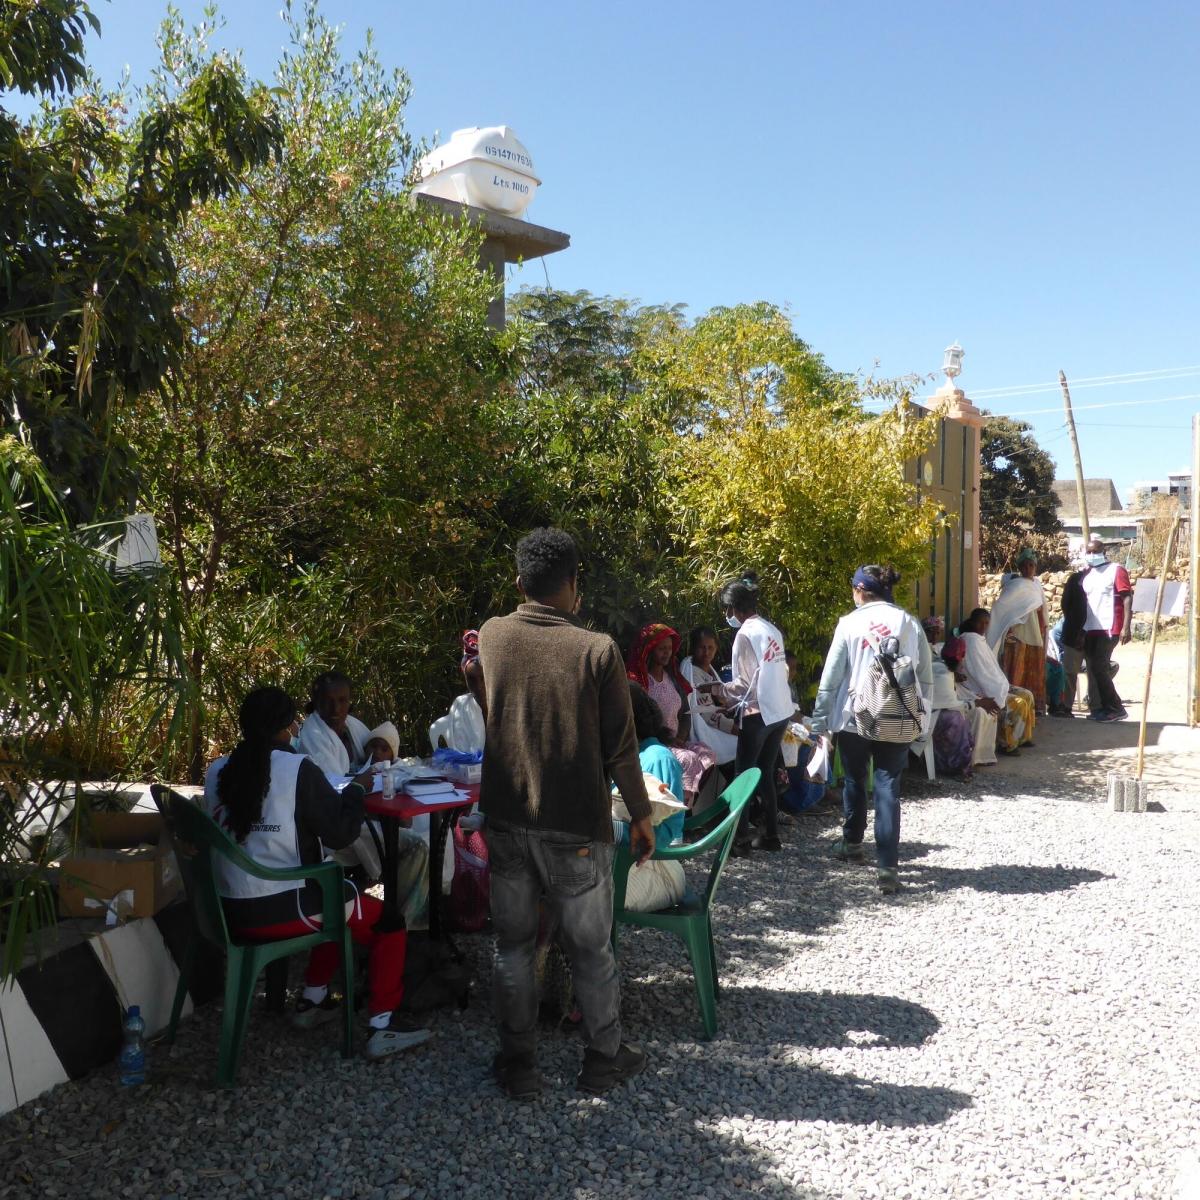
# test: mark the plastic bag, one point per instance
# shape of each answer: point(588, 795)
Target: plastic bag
point(471, 889)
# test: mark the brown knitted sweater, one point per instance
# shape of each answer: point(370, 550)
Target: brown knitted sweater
point(559, 725)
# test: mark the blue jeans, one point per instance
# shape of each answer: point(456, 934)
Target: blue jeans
point(801, 794)
point(574, 878)
point(890, 759)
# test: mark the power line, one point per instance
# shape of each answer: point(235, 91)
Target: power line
point(1091, 381)
point(1130, 425)
point(1033, 412)
point(1019, 394)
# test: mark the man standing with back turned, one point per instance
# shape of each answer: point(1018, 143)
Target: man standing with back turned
point(559, 727)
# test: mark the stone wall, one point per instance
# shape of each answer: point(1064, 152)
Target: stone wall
point(1053, 581)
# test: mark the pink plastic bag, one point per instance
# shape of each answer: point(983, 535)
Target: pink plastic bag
point(471, 888)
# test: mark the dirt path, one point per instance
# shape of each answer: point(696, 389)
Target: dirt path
point(1080, 752)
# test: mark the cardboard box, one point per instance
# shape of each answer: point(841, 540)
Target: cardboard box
point(129, 870)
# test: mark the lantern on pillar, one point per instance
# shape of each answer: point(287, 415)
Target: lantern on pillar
point(952, 362)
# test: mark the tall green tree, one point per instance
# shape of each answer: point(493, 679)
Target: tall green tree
point(593, 344)
point(802, 498)
point(1016, 489)
point(92, 677)
point(324, 455)
point(683, 453)
point(592, 423)
point(740, 362)
point(89, 203)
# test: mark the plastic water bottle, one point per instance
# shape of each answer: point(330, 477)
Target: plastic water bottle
point(132, 1060)
point(389, 780)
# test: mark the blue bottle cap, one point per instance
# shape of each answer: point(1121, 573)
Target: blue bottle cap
point(134, 1011)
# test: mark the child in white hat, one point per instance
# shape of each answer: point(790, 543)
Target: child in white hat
point(383, 743)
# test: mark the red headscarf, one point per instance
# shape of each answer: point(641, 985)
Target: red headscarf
point(470, 645)
point(954, 651)
point(637, 661)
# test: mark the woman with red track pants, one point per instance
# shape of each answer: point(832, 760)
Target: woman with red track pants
point(279, 807)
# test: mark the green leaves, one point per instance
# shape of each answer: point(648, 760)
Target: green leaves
point(92, 673)
point(322, 456)
point(1016, 490)
point(87, 266)
point(92, 681)
point(41, 44)
point(803, 502)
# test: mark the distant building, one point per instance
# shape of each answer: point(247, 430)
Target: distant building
point(1178, 484)
point(1107, 519)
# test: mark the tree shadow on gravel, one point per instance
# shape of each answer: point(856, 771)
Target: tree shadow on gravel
point(1005, 879)
point(709, 1119)
point(1069, 763)
point(666, 1010)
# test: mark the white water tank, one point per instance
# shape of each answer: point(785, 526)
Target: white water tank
point(487, 168)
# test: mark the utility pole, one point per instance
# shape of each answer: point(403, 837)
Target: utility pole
point(1079, 487)
point(1193, 568)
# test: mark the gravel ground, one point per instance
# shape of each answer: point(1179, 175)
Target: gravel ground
point(1021, 1021)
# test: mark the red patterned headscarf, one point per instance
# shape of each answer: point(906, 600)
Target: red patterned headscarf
point(470, 645)
point(637, 661)
point(954, 651)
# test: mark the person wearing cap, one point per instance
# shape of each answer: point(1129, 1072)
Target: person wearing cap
point(1018, 630)
point(412, 851)
point(858, 635)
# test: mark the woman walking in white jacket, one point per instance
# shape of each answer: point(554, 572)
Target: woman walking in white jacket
point(851, 654)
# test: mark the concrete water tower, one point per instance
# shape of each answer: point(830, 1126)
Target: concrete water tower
point(485, 176)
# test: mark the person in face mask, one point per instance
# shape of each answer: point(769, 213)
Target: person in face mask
point(761, 703)
point(1109, 621)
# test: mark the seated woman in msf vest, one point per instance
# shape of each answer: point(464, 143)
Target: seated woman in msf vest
point(279, 807)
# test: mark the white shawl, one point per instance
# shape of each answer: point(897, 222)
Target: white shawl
point(985, 680)
point(1018, 598)
point(722, 743)
point(326, 749)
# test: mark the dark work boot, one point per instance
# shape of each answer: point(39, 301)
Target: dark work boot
point(601, 1072)
point(518, 1077)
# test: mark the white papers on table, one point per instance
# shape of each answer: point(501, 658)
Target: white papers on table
point(444, 797)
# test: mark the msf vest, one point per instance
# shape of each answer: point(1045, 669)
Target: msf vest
point(272, 841)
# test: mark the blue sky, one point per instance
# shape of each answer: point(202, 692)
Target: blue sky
point(1022, 177)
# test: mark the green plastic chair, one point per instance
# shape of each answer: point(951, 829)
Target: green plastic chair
point(691, 919)
point(197, 837)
